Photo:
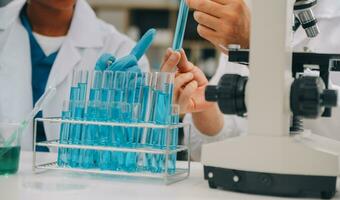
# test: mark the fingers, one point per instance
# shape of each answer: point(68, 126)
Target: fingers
point(207, 20)
point(185, 99)
point(184, 65)
point(206, 6)
point(207, 33)
point(170, 61)
point(180, 81)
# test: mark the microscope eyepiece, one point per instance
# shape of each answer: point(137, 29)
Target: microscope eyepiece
point(305, 15)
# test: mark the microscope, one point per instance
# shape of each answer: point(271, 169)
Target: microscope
point(277, 156)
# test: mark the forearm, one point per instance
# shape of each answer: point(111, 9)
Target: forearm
point(209, 122)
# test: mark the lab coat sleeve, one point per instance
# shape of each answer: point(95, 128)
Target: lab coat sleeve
point(233, 125)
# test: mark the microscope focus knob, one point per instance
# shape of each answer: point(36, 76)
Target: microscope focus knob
point(330, 98)
point(229, 94)
point(308, 97)
point(211, 93)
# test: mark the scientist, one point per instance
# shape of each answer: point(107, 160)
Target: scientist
point(224, 22)
point(41, 42)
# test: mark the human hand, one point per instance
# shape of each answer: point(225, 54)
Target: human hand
point(190, 83)
point(222, 22)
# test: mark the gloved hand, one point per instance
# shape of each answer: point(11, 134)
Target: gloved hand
point(131, 60)
point(222, 22)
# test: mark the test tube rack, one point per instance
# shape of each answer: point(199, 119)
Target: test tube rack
point(182, 171)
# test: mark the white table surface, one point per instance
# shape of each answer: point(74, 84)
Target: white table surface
point(56, 185)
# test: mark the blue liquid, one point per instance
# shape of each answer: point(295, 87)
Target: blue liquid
point(173, 145)
point(89, 137)
point(116, 134)
point(119, 113)
point(76, 134)
point(74, 96)
point(64, 136)
point(161, 116)
point(95, 95)
point(82, 91)
point(180, 26)
point(105, 138)
point(146, 99)
point(77, 113)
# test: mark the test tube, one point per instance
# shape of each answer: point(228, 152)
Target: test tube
point(77, 107)
point(90, 132)
point(121, 134)
point(64, 135)
point(116, 108)
point(96, 83)
point(175, 111)
point(107, 85)
point(105, 132)
point(130, 98)
point(118, 86)
point(163, 92)
point(76, 131)
point(90, 136)
point(83, 76)
point(104, 137)
point(132, 138)
point(146, 96)
point(130, 87)
point(180, 26)
point(116, 132)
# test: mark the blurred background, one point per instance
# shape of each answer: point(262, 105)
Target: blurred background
point(135, 17)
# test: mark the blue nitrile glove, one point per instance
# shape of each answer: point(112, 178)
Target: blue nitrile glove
point(124, 63)
point(104, 61)
point(135, 68)
point(144, 44)
point(137, 52)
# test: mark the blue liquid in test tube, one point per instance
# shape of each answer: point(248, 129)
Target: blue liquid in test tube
point(161, 116)
point(132, 94)
point(175, 111)
point(77, 113)
point(163, 92)
point(105, 132)
point(180, 26)
point(90, 132)
point(116, 109)
point(64, 135)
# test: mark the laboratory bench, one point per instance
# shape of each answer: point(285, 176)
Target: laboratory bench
point(58, 185)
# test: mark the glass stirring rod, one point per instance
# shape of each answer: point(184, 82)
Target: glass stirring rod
point(180, 26)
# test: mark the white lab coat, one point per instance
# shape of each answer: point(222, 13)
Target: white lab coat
point(328, 14)
point(86, 40)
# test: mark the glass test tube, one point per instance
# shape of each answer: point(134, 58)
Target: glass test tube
point(64, 135)
point(181, 25)
point(175, 111)
point(162, 100)
point(130, 98)
point(132, 140)
point(77, 108)
point(116, 109)
point(105, 132)
point(90, 132)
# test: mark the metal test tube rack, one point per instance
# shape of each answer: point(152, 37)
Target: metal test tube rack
point(181, 173)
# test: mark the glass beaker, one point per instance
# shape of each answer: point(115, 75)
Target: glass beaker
point(9, 151)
